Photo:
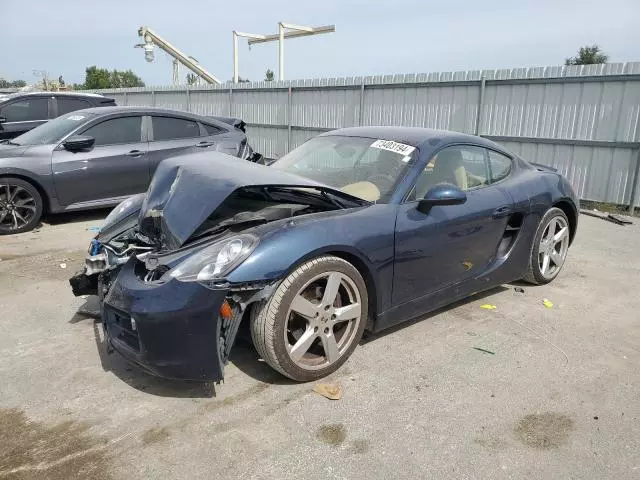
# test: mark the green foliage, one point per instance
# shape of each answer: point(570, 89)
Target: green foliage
point(99, 78)
point(192, 78)
point(588, 55)
point(268, 75)
point(13, 84)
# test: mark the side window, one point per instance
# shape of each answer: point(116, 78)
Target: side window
point(463, 166)
point(499, 166)
point(116, 130)
point(68, 104)
point(25, 110)
point(211, 130)
point(171, 128)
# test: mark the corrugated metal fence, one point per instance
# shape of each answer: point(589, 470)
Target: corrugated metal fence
point(583, 120)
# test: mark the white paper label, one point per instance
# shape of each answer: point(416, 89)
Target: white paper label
point(76, 118)
point(392, 146)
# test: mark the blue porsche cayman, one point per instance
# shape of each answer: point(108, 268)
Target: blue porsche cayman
point(358, 228)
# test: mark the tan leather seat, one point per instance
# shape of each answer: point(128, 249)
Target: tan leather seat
point(448, 168)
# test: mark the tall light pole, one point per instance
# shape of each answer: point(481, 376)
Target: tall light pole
point(295, 31)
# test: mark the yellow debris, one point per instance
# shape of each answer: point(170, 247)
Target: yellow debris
point(547, 303)
point(488, 306)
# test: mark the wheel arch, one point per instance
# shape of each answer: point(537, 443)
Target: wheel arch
point(356, 259)
point(46, 203)
point(570, 211)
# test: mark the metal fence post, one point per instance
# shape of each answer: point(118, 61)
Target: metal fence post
point(153, 98)
point(634, 185)
point(231, 101)
point(124, 98)
point(361, 112)
point(483, 83)
point(289, 120)
point(188, 99)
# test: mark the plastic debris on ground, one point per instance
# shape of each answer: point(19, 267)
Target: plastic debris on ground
point(484, 350)
point(547, 303)
point(93, 229)
point(518, 289)
point(63, 265)
point(488, 306)
point(332, 391)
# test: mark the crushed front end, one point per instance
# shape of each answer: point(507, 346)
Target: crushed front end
point(159, 265)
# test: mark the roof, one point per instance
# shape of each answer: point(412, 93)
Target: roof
point(125, 109)
point(414, 136)
point(62, 94)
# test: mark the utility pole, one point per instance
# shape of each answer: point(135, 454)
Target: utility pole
point(294, 32)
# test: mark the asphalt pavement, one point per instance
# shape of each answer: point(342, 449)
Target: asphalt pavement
point(522, 391)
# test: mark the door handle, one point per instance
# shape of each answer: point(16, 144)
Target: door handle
point(503, 211)
point(135, 153)
point(205, 144)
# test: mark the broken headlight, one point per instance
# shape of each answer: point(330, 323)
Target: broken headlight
point(216, 260)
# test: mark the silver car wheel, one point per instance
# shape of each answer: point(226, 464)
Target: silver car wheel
point(553, 247)
point(322, 320)
point(17, 206)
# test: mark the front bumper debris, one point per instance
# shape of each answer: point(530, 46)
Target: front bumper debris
point(172, 330)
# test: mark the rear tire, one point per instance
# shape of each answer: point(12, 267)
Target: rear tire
point(549, 249)
point(20, 206)
point(332, 296)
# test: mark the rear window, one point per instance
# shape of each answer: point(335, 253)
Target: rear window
point(66, 104)
point(172, 128)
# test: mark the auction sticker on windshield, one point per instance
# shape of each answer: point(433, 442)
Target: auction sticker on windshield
point(76, 118)
point(392, 146)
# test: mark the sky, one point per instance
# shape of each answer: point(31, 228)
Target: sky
point(372, 37)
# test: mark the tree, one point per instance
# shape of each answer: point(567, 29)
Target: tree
point(268, 75)
point(588, 55)
point(192, 78)
point(98, 78)
point(12, 84)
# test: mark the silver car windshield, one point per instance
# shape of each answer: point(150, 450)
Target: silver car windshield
point(54, 130)
point(367, 168)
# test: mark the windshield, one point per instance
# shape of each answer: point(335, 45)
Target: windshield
point(54, 130)
point(367, 168)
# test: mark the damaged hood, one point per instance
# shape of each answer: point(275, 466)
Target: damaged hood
point(187, 189)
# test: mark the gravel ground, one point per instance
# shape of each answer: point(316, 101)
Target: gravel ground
point(559, 396)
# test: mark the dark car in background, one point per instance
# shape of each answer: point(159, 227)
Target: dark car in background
point(23, 111)
point(98, 157)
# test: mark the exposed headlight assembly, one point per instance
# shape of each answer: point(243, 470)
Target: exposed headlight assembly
point(216, 260)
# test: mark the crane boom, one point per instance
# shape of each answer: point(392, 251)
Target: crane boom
point(151, 38)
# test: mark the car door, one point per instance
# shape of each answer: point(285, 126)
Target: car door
point(116, 166)
point(450, 243)
point(23, 114)
point(172, 135)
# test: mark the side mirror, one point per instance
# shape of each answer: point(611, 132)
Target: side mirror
point(442, 194)
point(78, 143)
point(3, 119)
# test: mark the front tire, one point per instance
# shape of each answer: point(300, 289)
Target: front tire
point(550, 246)
point(313, 321)
point(20, 206)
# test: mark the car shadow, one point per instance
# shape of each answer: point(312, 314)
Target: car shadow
point(131, 374)
point(73, 217)
point(243, 355)
point(370, 336)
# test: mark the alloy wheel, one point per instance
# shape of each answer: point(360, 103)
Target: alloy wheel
point(553, 247)
point(322, 320)
point(17, 207)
